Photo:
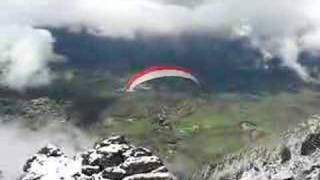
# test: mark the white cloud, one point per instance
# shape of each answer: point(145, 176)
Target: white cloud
point(24, 57)
point(271, 24)
point(311, 40)
point(19, 144)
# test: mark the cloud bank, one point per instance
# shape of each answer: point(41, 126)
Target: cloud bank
point(18, 144)
point(24, 57)
point(282, 29)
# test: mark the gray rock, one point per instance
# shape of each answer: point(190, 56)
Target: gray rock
point(43, 108)
point(311, 144)
point(111, 159)
point(297, 157)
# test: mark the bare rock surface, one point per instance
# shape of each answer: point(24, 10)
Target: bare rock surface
point(295, 157)
point(43, 107)
point(111, 159)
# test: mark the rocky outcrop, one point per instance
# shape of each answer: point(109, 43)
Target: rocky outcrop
point(111, 159)
point(296, 157)
point(33, 111)
point(43, 107)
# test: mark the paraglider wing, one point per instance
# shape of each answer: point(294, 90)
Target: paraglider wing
point(156, 72)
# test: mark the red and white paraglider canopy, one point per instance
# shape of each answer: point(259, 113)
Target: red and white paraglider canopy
point(156, 72)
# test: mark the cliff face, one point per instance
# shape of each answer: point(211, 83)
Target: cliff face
point(111, 159)
point(296, 157)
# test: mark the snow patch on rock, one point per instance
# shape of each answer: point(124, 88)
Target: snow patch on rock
point(111, 159)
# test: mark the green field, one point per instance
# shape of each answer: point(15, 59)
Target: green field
point(197, 126)
point(208, 129)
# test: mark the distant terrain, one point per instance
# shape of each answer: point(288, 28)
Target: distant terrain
point(183, 124)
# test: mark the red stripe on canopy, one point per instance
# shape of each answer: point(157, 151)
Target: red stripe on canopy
point(153, 69)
